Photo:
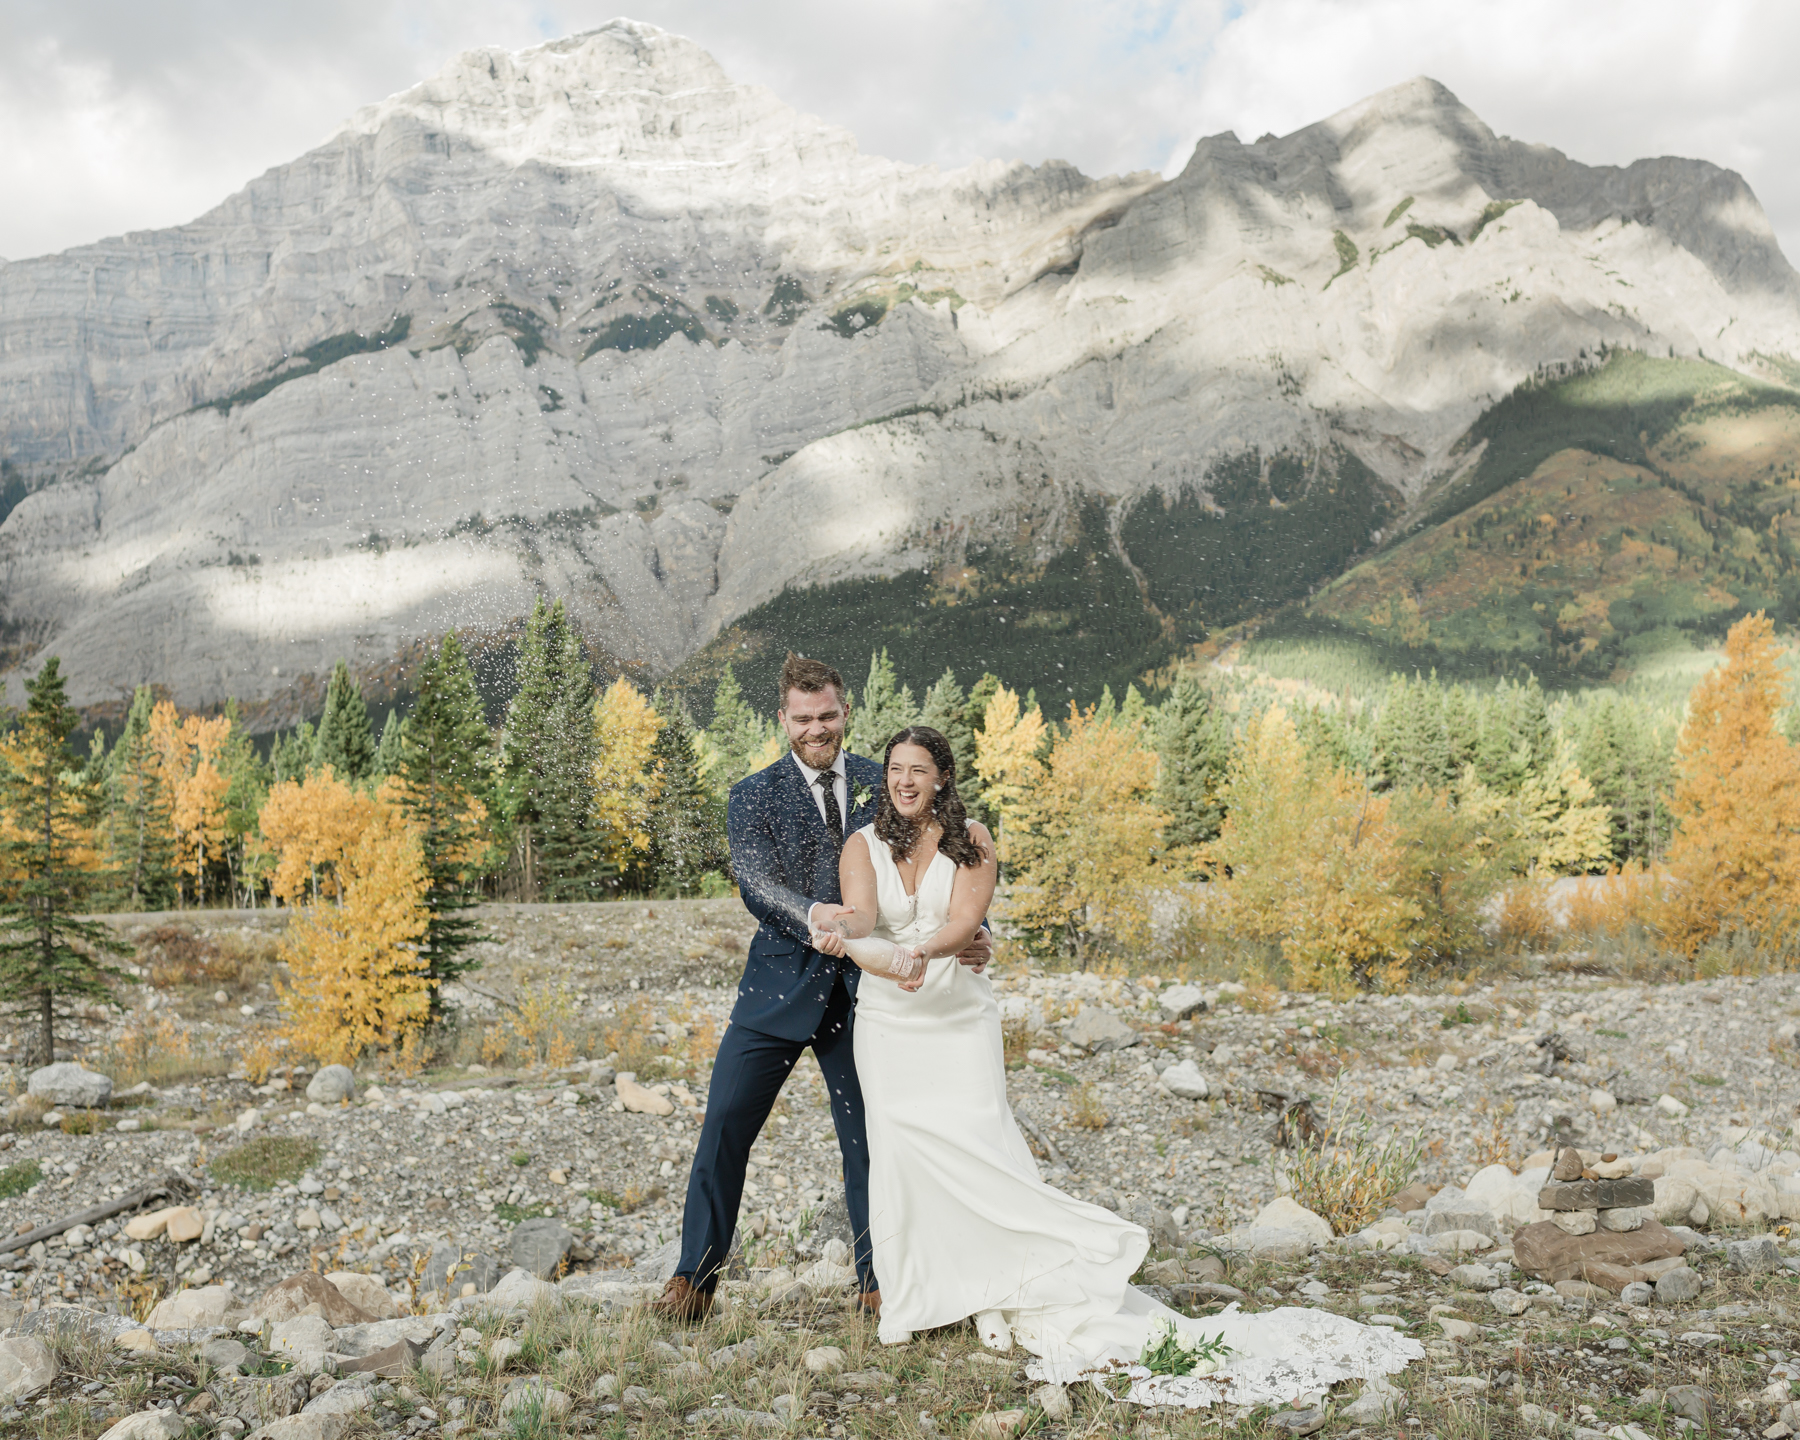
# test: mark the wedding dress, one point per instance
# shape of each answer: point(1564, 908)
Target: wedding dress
point(962, 1225)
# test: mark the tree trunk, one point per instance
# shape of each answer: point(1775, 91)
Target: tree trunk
point(46, 1026)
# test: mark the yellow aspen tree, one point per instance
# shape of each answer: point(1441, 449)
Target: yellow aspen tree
point(188, 750)
point(308, 826)
point(1081, 841)
point(1735, 858)
point(626, 782)
point(1006, 753)
point(1314, 863)
point(357, 977)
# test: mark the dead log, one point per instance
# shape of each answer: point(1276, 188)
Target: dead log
point(170, 1188)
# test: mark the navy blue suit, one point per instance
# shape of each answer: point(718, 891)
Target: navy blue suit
point(785, 860)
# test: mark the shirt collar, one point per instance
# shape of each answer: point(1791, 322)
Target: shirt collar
point(812, 776)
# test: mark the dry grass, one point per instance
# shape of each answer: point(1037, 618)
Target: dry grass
point(1086, 1112)
point(1349, 1178)
point(155, 1048)
point(1526, 920)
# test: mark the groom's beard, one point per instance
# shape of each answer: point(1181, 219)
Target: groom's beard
point(820, 756)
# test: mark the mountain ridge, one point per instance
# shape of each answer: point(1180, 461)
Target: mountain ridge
point(591, 318)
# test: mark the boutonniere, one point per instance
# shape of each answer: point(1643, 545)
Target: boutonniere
point(860, 795)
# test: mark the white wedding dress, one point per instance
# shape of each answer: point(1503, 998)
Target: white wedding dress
point(963, 1226)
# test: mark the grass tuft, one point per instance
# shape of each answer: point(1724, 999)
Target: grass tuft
point(17, 1179)
point(265, 1162)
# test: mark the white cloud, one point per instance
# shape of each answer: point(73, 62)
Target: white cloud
point(117, 116)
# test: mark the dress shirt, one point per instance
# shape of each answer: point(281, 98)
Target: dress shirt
point(837, 784)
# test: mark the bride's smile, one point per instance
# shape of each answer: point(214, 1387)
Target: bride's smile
point(913, 780)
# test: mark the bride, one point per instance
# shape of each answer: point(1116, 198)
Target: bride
point(960, 1221)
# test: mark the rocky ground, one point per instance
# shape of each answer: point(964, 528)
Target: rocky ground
point(1133, 1094)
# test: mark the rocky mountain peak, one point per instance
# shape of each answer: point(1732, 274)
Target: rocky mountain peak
point(625, 94)
point(593, 319)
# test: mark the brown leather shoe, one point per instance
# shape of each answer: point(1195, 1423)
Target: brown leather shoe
point(681, 1302)
point(870, 1302)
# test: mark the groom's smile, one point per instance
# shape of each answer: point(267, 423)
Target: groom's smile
point(814, 722)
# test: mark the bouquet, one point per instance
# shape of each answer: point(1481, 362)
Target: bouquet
point(1173, 1351)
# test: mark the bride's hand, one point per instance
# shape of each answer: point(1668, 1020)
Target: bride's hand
point(914, 975)
point(828, 942)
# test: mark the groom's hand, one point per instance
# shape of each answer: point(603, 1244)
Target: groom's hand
point(978, 951)
point(822, 917)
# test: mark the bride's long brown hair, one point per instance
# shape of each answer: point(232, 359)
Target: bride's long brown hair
point(900, 833)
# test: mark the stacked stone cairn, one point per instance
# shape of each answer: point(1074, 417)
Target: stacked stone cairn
point(1582, 1201)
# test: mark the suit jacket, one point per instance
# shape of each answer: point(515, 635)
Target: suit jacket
point(786, 859)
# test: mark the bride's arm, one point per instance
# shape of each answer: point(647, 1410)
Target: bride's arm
point(969, 900)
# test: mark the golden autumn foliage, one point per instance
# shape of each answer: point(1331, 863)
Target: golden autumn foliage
point(357, 977)
point(1006, 752)
point(1080, 831)
point(188, 750)
point(1735, 859)
point(1554, 820)
point(1315, 863)
point(309, 825)
point(626, 782)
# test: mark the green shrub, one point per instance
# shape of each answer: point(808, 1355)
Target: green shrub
point(265, 1162)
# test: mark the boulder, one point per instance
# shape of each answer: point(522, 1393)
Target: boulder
point(304, 1340)
point(1629, 1218)
point(70, 1085)
point(1178, 1002)
point(1545, 1252)
point(366, 1293)
point(639, 1100)
point(1100, 1030)
point(1678, 1286)
point(540, 1246)
point(1754, 1256)
point(1674, 1198)
point(303, 1427)
point(1732, 1197)
point(191, 1309)
point(332, 1085)
point(1185, 1082)
point(1286, 1213)
point(1509, 1198)
point(341, 1399)
point(1439, 1222)
point(1158, 1223)
point(1380, 1403)
point(178, 1222)
point(1276, 1244)
point(1455, 1242)
point(1575, 1222)
point(520, 1291)
point(146, 1425)
point(308, 1294)
point(535, 1398)
point(26, 1367)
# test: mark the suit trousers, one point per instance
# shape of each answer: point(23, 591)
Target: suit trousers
point(747, 1076)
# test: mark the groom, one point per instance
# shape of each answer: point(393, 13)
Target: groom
point(786, 826)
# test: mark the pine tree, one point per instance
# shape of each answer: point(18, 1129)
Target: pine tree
point(946, 710)
point(291, 756)
point(139, 831)
point(548, 758)
point(1193, 740)
point(884, 708)
point(346, 741)
point(246, 788)
point(734, 743)
point(46, 953)
point(387, 749)
point(687, 832)
point(444, 788)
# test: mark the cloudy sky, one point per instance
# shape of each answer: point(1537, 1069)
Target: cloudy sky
point(117, 115)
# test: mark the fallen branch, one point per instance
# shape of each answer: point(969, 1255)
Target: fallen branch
point(1051, 1153)
point(170, 1187)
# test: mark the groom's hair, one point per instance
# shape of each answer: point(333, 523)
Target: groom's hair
point(809, 676)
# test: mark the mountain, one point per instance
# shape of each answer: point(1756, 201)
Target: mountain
point(592, 319)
